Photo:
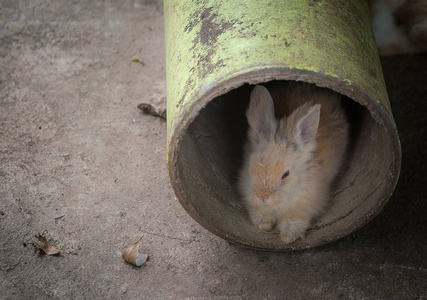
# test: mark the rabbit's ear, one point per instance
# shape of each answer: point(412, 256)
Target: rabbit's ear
point(260, 113)
point(308, 124)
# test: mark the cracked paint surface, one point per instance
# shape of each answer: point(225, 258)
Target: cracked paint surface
point(208, 41)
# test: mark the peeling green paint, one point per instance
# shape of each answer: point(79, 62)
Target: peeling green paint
point(331, 74)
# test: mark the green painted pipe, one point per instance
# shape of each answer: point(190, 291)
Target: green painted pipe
point(217, 50)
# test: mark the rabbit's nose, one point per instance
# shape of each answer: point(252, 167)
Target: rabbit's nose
point(263, 194)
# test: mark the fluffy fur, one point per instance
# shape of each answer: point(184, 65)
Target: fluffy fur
point(400, 26)
point(291, 162)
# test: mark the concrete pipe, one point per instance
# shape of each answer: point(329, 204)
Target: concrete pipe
point(216, 51)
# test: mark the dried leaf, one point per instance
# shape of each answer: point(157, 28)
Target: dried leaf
point(45, 246)
point(155, 100)
point(150, 109)
point(132, 255)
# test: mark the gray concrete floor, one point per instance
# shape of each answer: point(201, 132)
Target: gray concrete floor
point(81, 163)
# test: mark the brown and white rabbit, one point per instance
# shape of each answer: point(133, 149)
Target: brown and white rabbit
point(290, 163)
point(400, 26)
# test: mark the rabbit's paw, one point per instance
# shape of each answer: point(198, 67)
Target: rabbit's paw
point(268, 226)
point(291, 231)
point(264, 225)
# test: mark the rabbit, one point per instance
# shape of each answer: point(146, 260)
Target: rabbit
point(400, 26)
point(290, 163)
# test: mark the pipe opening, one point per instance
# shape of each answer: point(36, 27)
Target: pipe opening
point(210, 155)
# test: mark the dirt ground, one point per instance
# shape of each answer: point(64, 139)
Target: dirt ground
point(81, 163)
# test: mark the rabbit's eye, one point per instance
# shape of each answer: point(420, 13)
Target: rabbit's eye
point(286, 174)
